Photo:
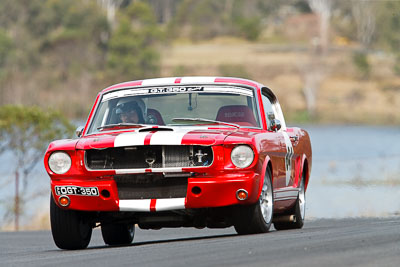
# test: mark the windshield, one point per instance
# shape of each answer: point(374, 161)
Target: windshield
point(163, 105)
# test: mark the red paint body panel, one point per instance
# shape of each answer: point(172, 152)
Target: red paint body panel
point(217, 183)
point(90, 203)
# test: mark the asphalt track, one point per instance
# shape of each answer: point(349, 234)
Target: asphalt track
point(345, 242)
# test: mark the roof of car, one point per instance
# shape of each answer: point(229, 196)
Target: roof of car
point(182, 81)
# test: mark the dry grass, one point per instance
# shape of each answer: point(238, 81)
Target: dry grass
point(342, 98)
point(41, 221)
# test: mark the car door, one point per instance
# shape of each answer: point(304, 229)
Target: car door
point(277, 149)
point(285, 162)
point(290, 140)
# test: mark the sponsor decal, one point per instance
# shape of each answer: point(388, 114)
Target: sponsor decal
point(76, 190)
point(175, 89)
point(288, 157)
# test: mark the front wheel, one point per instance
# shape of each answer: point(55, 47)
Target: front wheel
point(71, 229)
point(257, 218)
point(118, 234)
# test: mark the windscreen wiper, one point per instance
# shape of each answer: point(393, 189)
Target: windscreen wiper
point(135, 125)
point(203, 121)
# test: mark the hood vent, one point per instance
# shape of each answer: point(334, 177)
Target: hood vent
point(156, 130)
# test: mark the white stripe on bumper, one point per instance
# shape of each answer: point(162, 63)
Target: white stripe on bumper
point(144, 205)
point(134, 205)
point(170, 204)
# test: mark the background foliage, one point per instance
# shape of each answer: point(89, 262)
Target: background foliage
point(53, 50)
point(26, 133)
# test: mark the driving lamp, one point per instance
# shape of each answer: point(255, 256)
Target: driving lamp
point(242, 156)
point(59, 162)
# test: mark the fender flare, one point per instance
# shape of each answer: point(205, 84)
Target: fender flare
point(264, 167)
point(304, 162)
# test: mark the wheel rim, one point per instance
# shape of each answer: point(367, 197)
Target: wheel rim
point(266, 203)
point(302, 201)
point(131, 230)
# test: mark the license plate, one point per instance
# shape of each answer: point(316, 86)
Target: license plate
point(76, 190)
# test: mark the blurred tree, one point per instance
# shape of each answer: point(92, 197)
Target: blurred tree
point(58, 45)
point(111, 6)
point(164, 9)
point(388, 22)
point(364, 16)
point(132, 52)
point(323, 8)
point(26, 132)
point(6, 46)
point(360, 60)
point(313, 70)
point(6, 53)
point(206, 19)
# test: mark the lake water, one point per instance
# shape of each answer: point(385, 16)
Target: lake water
point(355, 172)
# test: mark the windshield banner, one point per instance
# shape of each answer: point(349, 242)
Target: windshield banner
point(177, 90)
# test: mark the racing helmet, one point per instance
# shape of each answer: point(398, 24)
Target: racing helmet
point(127, 104)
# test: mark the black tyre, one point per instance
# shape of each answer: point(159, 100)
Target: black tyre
point(299, 211)
point(257, 218)
point(71, 229)
point(118, 234)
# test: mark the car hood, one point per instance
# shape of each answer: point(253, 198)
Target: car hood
point(157, 136)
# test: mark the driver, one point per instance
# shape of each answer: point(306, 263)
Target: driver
point(130, 112)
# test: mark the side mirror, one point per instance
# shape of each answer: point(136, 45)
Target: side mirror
point(79, 131)
point(276, 125)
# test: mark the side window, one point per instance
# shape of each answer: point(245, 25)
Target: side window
point(269, 111)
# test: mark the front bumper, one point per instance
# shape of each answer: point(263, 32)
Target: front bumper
point(202, 192)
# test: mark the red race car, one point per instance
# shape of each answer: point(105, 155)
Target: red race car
point(178, 152)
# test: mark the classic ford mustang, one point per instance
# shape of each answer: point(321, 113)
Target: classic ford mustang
point(178, 152)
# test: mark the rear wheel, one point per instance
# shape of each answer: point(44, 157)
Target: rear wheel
point(257, 218)
point(118, 234)
point(70, 229)
point(299, 211)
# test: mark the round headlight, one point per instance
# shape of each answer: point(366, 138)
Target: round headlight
point(242, 156)
point(59, 162)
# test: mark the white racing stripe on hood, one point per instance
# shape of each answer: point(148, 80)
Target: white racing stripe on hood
point(167, 138)
point(130, 139)
point(173, 138)
point(158, 138)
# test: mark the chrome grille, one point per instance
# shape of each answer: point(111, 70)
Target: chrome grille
point(143, 157)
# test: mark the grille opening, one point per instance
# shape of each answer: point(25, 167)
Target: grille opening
point(150, 186)
point(139, 157)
